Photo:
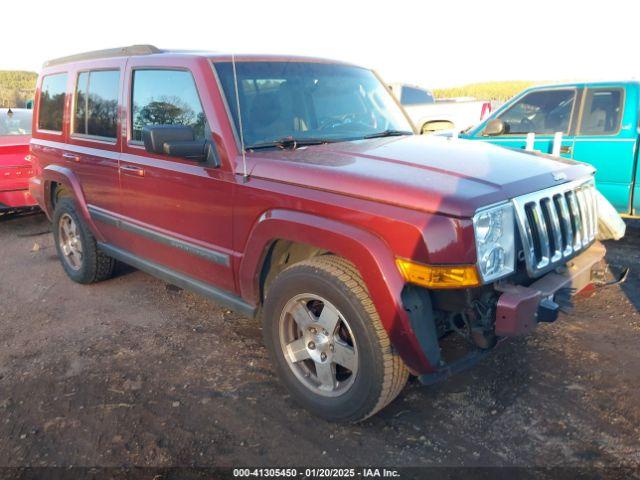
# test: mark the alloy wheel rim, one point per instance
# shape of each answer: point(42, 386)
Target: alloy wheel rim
point(70, 242)
point(318, 345)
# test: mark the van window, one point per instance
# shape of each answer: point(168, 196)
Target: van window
point(165, 97)
point(602, 111)
point(51, 107)
point(96, 103)
point(541, 112)
point(415, 96)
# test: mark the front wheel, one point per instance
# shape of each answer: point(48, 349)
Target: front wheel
point(327, 342)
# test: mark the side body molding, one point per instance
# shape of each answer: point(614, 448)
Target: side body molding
point(368, 252)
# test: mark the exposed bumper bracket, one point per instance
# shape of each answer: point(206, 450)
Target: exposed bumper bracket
point(460, 365)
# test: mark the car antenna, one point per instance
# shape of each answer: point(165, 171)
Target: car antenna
point(245, 176)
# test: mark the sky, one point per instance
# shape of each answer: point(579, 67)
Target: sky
point(432, 44)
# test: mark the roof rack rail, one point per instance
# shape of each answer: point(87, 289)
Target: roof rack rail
point(107, 53)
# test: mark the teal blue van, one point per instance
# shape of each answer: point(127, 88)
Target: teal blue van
point(599, 123)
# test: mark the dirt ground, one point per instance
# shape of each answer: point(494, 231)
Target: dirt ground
point(133, 371)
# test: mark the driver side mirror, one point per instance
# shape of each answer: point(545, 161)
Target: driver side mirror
point(494, 128)
point(179, 141)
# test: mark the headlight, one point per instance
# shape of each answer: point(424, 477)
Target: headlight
point(495, 241)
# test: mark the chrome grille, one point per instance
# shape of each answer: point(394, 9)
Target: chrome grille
point(556, 223)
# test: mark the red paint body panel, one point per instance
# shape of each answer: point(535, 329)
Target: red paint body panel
point(15, 172)
point(427, 173)
point(369, 201)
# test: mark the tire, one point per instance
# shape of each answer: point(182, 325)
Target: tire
point(78, 252)
point(366, 379)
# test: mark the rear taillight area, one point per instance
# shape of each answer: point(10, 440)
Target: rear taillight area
point(486, 110)
point(16, 172)
point(15, 177)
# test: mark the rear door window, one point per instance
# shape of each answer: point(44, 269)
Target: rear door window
point(96, 104)
point(540, 112)
point(51, 107)
point(602, 111)
point(165, 97)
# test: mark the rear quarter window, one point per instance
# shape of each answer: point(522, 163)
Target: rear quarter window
point(51, 106)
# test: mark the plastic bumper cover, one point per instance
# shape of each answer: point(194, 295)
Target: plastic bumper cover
point(15, 199)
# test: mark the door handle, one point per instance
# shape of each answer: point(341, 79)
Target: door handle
point(132, 170)
point(71, 156)
point(566, 149)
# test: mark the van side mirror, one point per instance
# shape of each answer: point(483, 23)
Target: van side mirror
point(179, 141)
point(494, 128)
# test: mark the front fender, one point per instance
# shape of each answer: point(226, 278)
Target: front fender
point(66, 177)
point(368, 252)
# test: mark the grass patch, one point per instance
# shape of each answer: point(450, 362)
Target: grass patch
point(487, 90)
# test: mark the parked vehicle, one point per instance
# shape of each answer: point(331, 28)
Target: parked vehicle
point(430, 115)
point(599, 123)
point(295, 189)
point(15, 167)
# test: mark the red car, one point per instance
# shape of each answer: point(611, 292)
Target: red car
point(295, 189)
point(15, 164)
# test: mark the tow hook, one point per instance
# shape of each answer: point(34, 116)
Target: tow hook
point(550, 307)
point(620, 280)
point(548, 311)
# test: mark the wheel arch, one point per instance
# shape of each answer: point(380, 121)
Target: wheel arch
point(315, 235)
point(55, 177)
point(279, 254)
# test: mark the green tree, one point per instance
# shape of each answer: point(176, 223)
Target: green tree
point(16, 87)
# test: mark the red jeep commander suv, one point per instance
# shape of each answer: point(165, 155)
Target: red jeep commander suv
point(295, 189)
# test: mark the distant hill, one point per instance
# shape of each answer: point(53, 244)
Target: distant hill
point(486, 90)
point(16, 87)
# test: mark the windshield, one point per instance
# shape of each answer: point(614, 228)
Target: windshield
point(305, 100)
point(15, 122)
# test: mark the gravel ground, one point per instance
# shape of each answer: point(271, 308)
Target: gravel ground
point(133, 371)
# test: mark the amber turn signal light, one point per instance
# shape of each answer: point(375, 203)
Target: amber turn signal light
point(438, 276)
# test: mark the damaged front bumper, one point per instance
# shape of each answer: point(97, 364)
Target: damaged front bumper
point(519, 308)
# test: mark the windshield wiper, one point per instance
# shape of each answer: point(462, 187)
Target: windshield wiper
point(289, 143)
point(388, 133)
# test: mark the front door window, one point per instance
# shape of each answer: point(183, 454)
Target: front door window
point(542, 112)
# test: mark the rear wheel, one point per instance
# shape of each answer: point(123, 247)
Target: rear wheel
point(327, 341)
point(77, 248)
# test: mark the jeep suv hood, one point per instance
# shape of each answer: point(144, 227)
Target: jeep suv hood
point(433, 174)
